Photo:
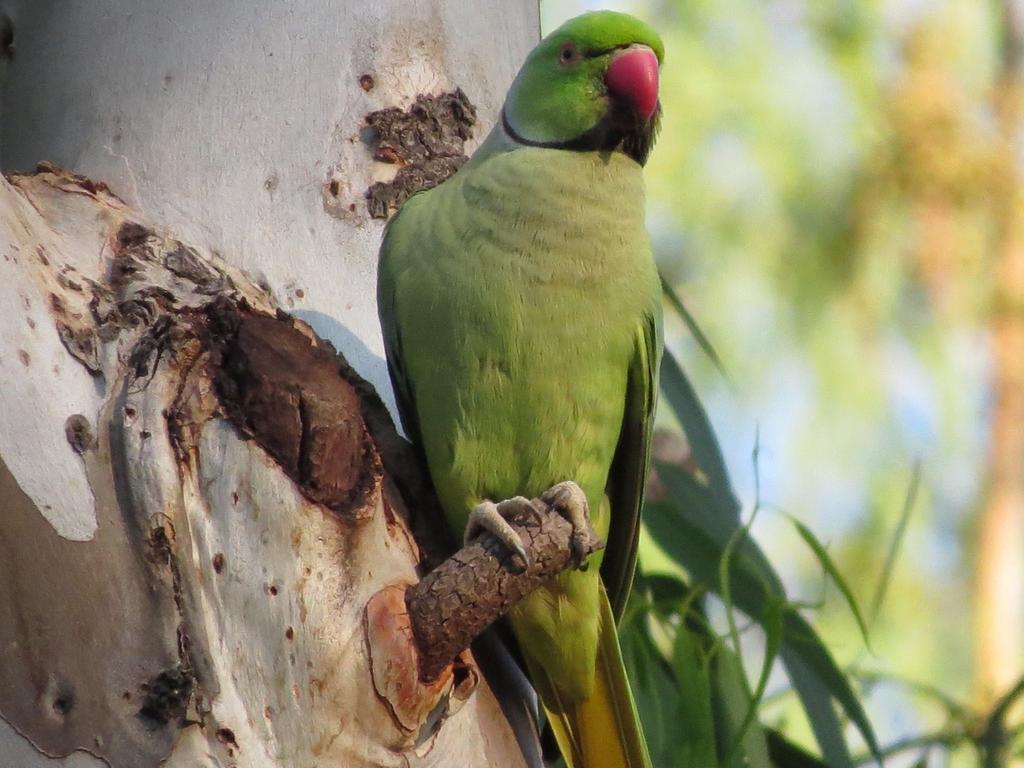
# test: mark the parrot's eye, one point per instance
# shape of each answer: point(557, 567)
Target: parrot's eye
point(568, 54)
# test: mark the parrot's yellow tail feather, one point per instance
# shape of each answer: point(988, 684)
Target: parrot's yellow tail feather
point(604, 730)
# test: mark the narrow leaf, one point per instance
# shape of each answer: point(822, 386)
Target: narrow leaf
point(694, 526)
point(685, 532)
point(697, 722)
point(694, 329)
point(820, 677)
point(682, 399)
point(703, 509)
point(828, 731)
point(745, 747)
point(830, 568)
point(897, 542)
point(655, 690)
point(772, 625)
point(786, 754)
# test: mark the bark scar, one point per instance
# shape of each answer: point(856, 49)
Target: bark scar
point(287, 390)
point(427, 142)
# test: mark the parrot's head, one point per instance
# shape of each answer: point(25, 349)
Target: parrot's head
point(592, 84)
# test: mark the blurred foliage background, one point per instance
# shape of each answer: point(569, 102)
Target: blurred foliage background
point(837, 198)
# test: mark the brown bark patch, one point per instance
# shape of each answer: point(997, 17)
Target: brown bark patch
point(427, 141)
point(394, 659)
point(166, 697)
point(79, 433)
point(286, 390)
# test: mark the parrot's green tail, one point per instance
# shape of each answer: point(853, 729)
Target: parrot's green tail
point(604, 730)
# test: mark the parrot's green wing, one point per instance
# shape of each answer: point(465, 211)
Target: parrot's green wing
point(632, 459)
point(500, 669)
point(393, 340)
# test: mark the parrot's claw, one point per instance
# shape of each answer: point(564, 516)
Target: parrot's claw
point(488, 517)
point(568, 500)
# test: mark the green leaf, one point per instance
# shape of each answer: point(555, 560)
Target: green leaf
point(694, 525)
point(682, 399)
point(655, 690)
point(671, 683)
point(897, 541)
point(692, 667)
point(686, 527)
point(772, 625)
point(771, 621)
point(666, 591)
point(693, 328)
point(786, 754)
point(830, 568)
point(817, 702)
point(707, 511)
point(743, 746)
point(725, 585)
point(802, 647)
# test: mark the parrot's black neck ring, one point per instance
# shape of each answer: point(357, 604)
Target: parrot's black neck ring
point(619, 130)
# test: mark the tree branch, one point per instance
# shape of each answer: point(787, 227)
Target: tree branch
point(479, 584)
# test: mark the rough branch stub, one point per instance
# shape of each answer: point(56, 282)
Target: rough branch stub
point(459, 599)
point(428, 141)
point(279, 386)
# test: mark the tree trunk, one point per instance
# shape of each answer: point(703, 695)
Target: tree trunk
point(200, 501)
point(999, 549)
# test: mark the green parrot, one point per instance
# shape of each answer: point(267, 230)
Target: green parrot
point(521, 313)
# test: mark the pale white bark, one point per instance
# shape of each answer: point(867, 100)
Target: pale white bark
point(206, 563)
point(224, 124)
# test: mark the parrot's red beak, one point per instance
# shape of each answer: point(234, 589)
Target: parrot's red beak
point(633, 77)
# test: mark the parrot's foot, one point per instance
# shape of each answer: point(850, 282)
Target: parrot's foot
point(488, 517)
point(568, 500)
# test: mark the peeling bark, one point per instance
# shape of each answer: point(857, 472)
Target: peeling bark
point(246, 519)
